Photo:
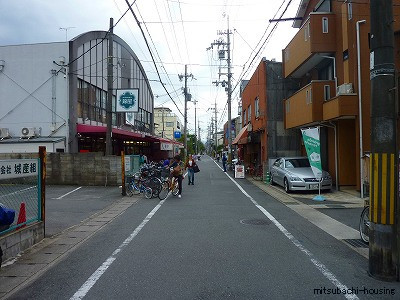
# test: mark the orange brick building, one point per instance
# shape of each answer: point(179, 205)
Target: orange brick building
point(330, 55)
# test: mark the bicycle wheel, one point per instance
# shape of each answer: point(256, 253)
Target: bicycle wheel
point(136, 186)
point(129, 190)
point(364, 225)
point(148, 193)
point(156, 185)
point(164, 190)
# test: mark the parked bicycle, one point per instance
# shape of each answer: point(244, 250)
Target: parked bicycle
point(137, 185)
point(169, 185)
point(364, 224)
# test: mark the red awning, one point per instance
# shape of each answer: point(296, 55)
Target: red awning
point(241, 138)
point(101, 130)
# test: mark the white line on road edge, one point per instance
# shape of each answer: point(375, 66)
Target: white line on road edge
point(84, 289)
point(68, 193)
point(320, 266)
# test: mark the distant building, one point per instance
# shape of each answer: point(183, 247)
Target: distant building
point(262, 135)
point(166, 123)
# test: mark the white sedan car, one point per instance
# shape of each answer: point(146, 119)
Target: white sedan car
point(295, 174)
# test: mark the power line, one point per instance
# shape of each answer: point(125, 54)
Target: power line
point(107, 33)
point(151, 54)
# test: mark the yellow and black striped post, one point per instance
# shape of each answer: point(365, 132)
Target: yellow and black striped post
point(383, 242)
point(383, 196)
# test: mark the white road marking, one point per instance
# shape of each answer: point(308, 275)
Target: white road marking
point(320, 266)
point(85, 288)
point(67, 193)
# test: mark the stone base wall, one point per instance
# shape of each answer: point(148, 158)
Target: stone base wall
point(78, 168)
point(17, 241)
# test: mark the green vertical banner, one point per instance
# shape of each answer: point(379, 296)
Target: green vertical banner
point(313, 148)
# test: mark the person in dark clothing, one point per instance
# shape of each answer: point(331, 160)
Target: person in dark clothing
point(190, 163)
point(224, 159)
point(176, 162)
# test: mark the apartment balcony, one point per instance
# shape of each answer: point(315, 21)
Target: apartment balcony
point(341, 107)
point(305, 107)
point(315, 39)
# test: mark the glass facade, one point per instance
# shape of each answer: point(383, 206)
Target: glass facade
point(91, 73)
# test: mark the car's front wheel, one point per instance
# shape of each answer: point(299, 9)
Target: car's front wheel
point(286, 185)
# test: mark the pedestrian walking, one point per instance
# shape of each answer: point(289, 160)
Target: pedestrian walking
point(224, 159)
point(177, 172)
point(190, 164)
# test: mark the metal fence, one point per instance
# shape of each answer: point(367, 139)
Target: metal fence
point(20, 191)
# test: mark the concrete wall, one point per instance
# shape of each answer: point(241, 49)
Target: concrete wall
point(78, 168)
point(14, 242)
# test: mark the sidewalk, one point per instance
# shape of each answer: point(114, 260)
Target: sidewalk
point(39, 258)
point(338, 215)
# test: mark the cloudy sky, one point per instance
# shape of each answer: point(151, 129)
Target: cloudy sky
point(178, 31)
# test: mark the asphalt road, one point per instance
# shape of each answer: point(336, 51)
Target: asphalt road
point(68, 205)
point(206, 246)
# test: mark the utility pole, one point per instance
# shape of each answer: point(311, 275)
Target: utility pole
point(228, 89)
point(186, 94)
point(195, 127)
point(163, 128)
point(110, 69)
point(383, 234)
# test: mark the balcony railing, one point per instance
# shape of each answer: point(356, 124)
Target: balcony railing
point(341, 106)
point(305, 107)
point(317, 37)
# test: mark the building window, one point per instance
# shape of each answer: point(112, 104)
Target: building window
point(244, 117)
point(169, 124)
point(257, 107)
point(325, 27)
point(249, 114)
point(309, 96)
point(327, 92)
point(349, 11)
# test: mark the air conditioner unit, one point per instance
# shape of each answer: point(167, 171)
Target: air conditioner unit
point(27, 132)
point(4, 133)
point(346, 88)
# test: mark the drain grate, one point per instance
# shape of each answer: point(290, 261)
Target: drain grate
point(357, 243)
point(255, 221)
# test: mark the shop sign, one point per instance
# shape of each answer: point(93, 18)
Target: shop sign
point(127, 100)
point(239, 171)
point(166, 146)
point(177, 134)
point(18, 168)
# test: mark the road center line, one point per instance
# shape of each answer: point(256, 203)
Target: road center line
point(68, 193)
point(85, 288)
point(320, 266)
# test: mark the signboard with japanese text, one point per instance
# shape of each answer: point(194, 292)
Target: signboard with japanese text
point(313, 149)
point(127, 100)
point(19, 168)
point(166, 146)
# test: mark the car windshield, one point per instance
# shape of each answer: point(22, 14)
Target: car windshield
point(297, 163)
